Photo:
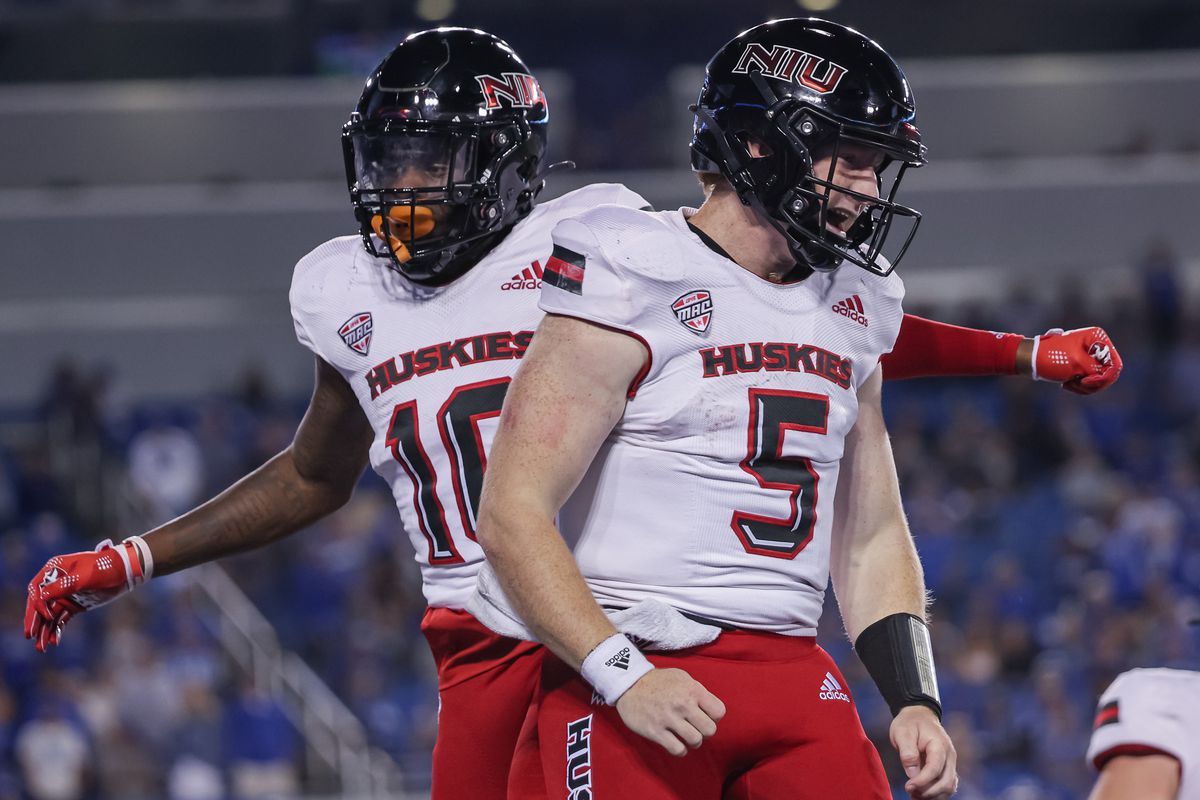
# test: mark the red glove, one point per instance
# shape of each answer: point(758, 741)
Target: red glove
point(1083, 360)
point(72, 583)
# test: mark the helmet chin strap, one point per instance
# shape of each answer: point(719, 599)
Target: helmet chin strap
point(538, 181)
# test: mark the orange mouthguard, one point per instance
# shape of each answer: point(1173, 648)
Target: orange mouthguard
point(405, 223)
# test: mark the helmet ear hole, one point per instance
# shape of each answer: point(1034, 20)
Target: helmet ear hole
point(756, 146)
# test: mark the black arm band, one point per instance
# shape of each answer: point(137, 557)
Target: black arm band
point(897, 654)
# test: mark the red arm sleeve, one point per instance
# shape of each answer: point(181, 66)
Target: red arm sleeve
point(926, 349)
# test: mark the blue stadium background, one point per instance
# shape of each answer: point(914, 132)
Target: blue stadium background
point(1059, 534)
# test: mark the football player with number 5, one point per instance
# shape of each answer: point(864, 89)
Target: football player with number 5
point(694, 447)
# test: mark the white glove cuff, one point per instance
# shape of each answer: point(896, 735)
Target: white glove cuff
point(1033, 357)
point(147, 557)
point(614, 666)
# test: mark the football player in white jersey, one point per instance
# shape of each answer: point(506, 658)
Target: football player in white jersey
point(1146, 737)
point(417, 325)
point(704, 428)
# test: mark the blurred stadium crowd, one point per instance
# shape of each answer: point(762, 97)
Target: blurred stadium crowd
point(1058, 535)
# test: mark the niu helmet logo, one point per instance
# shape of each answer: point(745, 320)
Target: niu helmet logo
point(520, 89)
point(789, 64)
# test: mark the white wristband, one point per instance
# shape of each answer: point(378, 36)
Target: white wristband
point(614, 666)
point(1037, 340)
point(147, 558)
point(1037, 343)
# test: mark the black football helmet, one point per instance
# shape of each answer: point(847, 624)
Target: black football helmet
point(802, 89)
point(444, 151)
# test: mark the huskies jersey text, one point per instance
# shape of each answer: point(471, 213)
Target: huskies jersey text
point(1148, 711)
point(430, 368)
point(714, 492)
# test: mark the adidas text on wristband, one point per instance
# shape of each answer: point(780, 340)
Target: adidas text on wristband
point(614, 666)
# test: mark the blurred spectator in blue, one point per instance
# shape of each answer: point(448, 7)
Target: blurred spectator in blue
point(37, 488)
point(127, 767)
point(9, 778)
point(261, 747)
point(8, 492)
point(1163, 296)
point(52, 752)
point(197, 752)
point(166, 468)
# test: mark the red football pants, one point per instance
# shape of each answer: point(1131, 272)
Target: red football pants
point(486, 684)
point(790, 732)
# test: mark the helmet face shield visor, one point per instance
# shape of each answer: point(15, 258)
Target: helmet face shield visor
point(408, 160)
point(422, 190)
point(411, 183)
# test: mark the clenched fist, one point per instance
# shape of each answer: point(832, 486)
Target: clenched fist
point(1083, 360)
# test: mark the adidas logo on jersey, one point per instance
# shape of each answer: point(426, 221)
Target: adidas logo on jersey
point(528, 278)
point(832, 690)
point(852, 307)
point(620, 660)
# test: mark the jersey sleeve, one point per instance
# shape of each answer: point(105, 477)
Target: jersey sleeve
point(298, 300)
point(580, 281)
point(1138, 715)
point(307, 296)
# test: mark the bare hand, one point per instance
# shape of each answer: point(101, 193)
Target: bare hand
point(668, 707)
point(926, 753)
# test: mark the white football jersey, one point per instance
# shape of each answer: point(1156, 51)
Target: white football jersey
point(1148, 710)
point(714, 492)
point(430, 368)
